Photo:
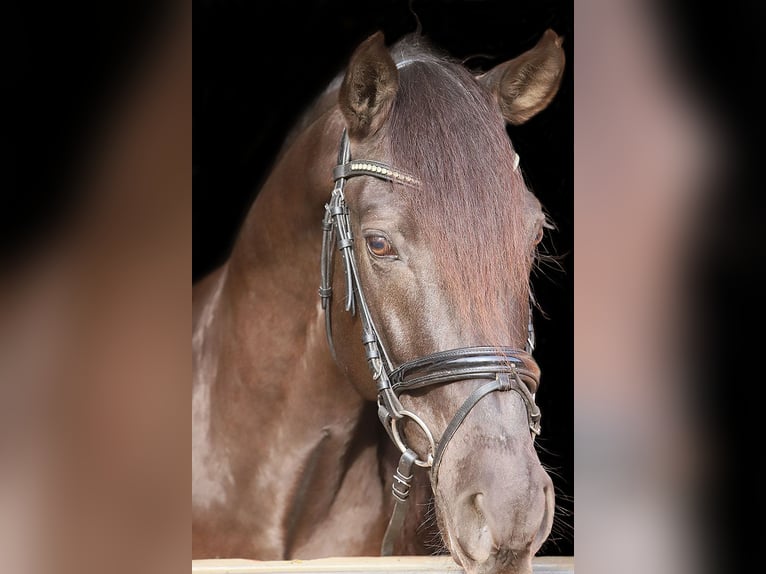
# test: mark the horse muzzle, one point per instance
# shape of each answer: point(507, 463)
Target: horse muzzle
point(494, 501)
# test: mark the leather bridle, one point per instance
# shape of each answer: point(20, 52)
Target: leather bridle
point(504, 368)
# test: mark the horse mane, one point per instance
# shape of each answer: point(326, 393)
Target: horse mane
point(443, 117)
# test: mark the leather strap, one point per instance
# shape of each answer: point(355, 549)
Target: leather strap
point(502, 382)
point(464, 363)
point(401, 492)
point(457, 420)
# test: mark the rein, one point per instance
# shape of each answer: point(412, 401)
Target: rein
point(504, 368)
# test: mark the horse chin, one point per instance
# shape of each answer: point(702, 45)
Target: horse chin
point(489, 562)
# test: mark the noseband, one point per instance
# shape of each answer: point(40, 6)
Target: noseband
point(504, 368)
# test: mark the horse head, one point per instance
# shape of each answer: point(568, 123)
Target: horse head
point(429, 304)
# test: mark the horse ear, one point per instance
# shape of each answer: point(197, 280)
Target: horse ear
point(368, 89)
point(526, 84)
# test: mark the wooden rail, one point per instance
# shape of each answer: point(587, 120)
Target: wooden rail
point(364, 565)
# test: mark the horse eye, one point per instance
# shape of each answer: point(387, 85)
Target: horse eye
point(379, 246)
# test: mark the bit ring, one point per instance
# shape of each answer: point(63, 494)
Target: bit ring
point(400, 443)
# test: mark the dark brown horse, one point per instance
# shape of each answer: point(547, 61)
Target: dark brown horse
point(399, 196)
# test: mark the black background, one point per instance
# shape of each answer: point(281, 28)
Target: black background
point(257, 66)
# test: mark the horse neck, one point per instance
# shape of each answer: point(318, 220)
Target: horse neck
point(270, 302)
point(258, 320)
point(274, 416)
point(282, 229)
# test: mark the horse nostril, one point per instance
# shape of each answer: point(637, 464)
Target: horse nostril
point(473, 533)
point(478, 502)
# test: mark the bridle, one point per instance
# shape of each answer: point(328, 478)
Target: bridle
point(504, 368)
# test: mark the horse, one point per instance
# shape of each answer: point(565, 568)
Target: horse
point(364, 381)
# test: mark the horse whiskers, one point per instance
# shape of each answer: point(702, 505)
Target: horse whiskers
point(434, 543)
point(553, 471)
point(560, 531)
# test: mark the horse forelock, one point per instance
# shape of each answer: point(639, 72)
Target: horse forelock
point(447, 130)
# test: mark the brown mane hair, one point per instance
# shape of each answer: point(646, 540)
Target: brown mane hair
point(448, 131)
